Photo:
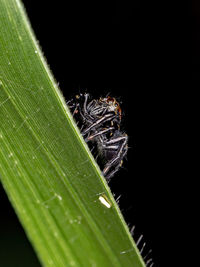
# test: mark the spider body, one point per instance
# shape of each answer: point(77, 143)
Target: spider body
point(100, 120)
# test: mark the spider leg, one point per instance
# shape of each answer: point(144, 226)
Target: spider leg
point(100, 111)
point(116, 164)
point(105, 118)
point(110, 145)
point(117, 140)
point(91, 104)
point(76, 108)
point(111, 174)
point(82, 110)
point(73, 106)
point(100, 133)
point(86, 115)
point(116, 161)
point(68, 103)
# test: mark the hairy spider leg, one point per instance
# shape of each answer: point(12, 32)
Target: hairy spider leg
point(111, 174)
point(120, 153)
point(100, 133)
point(72, 106)
point(76, 110)
point(85, 114)
point(114, 141)
point(89, 118)
point(105, 118)
point(117, 166)
point(95, 108)
point(92, 107)
point(111, 147)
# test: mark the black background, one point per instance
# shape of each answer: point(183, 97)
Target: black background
point(195, 32)
point(121, 48)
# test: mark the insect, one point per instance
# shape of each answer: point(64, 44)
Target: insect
point(100, 126)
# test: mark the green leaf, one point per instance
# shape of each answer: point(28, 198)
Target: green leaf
point(47, 170)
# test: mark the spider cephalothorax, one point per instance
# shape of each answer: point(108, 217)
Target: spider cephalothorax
point(100, 124)
point(112, 105)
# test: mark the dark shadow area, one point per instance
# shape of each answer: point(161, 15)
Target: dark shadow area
point(195, 31)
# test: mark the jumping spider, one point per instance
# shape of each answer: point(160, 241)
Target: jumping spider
point(100, 120)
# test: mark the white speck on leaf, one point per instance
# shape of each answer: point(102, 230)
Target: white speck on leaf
point(103, 199)
point(58, 196)
point(126, 251)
